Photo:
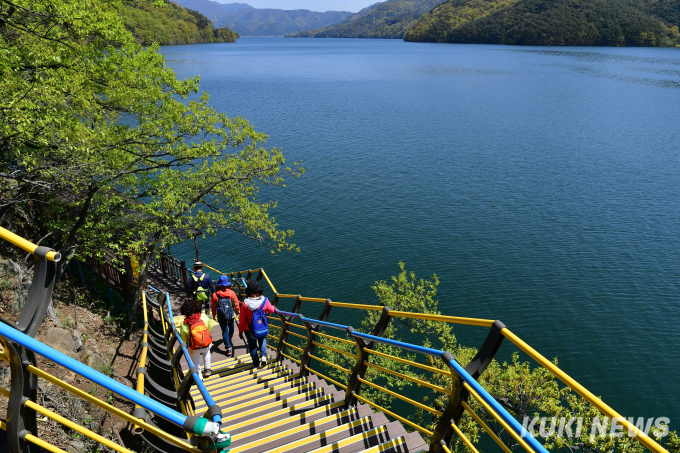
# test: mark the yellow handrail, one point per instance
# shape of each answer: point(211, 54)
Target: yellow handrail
point(401, 397)
point(359, 306)
point(464, 437)
point(25, 244)
point(442, 318)
point(398, 417)
point(643, 438)
point(408, 378)
point(342, 386)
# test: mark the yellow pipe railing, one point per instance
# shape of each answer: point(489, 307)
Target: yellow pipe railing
point(401, 397)
point(28, 246)
point(643, 438)
point(112, 409)
point(76, 427)
point(408, 378)
point(408, 362)
point(486, 427)
point(342, 386)
point(442, 318)
point(41, 443)
point(392, 414)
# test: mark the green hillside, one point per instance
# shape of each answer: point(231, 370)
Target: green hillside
point(171, 24)
point(550, 23)
point(278, 22)
point(388, 19)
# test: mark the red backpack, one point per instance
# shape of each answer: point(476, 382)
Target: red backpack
point(200, 336)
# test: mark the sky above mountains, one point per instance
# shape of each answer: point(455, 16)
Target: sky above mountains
point(312, 5)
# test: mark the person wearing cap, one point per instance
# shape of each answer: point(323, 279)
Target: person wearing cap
point(253, 301)
point(201, 286)
point(225, 304)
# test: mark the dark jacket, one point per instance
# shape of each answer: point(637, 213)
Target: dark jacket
point(207, 283)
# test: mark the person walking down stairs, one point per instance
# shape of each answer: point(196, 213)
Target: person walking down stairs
point(253, 322)
point(201, 287)
point(225, 304)
point(194, 328)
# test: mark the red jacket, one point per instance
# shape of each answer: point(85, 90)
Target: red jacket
point(246, 318)
point(225, 292)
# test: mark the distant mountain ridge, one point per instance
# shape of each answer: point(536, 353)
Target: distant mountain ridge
point(389, 19)
point(551, 22)
point(248, 21)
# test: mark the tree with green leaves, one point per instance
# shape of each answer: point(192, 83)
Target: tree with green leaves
point(522, 389)
point(109, 150)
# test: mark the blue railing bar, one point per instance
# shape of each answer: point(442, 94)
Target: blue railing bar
point(400, 344)
point(197, 380)
point(500, 410)
point(324, 323)
point(153, 289)
point(287, 313)
point(95, 376)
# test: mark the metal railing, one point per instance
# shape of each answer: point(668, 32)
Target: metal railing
point(20, 351)
point(465, 383)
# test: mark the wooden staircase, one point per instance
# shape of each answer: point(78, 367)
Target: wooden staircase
point(273, 409)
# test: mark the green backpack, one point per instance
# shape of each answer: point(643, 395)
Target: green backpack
point(201, 293)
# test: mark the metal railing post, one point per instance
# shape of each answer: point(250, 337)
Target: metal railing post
point(305, 360)
point(23, 386)
point(184, 275)
point(281, 348)
point(443, 432)
point(354, 385)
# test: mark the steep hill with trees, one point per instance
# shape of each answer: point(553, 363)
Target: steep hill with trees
point(171, 24)
point(388, 19)
point(550, 23)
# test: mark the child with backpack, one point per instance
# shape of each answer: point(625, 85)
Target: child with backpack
point(195, 332)
point(225, 304)
point(253, 321)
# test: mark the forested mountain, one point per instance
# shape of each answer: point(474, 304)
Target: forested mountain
point(551, 22)
point(249, 21)
point(171, 24)
point(389, 19)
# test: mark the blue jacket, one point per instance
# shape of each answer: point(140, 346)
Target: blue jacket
point(207, 282)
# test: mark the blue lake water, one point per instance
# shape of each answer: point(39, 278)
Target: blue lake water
point(540, 184)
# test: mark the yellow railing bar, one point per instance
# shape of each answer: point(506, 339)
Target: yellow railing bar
point(446, 449)
point(331, 337)
point(442, 318)
point(287, 296)
point(359, 306)
point(4, 356)
point(464, 437)
point(4, 392)
point(643, 438)
point(142, 356)
point(403, 376)
point(26, 245)
point(322, 376)
point(277, 327)
point(3, 425)
point(331, 364)
point(503, 423)
point(41, 443)
point(294, 347)
point(313, 299)
point(297, 335)
point(486, 428)
point(266, 277)
point(113, 410)
point(297, 325)
point(401, 397)
point(408, 362)
point(325, 346)
point(392, 414)
point(76, 427)
point(212, 268)
point(290, 358)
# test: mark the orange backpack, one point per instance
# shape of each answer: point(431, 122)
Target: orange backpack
point(200, 336)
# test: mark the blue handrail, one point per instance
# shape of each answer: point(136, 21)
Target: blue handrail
point(217, 418)
point(95, 376)
point(464, 375)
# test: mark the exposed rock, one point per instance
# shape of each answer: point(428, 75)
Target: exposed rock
point(76, 446)
point(91, 345)
point(14, 283)
point(97, 362)
point(59, 339)
point(77, 339)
